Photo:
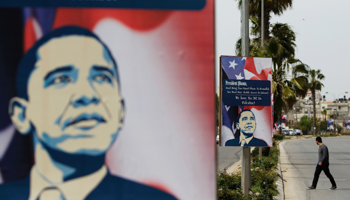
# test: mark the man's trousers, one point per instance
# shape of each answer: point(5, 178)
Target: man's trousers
point(318, 170)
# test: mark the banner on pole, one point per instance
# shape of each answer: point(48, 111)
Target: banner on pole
point(347, 125)
point(330, 124)
point(284, 121)
point(247, 118)
point(114, 96)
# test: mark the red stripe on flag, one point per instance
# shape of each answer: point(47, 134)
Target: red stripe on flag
point(29, 34)
point(250, 66)
point(138, 20)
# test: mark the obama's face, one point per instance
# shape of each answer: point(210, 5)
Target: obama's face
point(74, 102)
point(246, 122)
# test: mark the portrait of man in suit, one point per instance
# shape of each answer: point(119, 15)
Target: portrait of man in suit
point(246, 124)
point(69, 99)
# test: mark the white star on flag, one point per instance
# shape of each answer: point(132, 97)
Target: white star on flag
point(244, 58)
point(232, 64)
point(239, 77)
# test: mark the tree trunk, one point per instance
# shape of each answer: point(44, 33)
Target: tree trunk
point(280, 123)
point(314, 108)
point(266, 25)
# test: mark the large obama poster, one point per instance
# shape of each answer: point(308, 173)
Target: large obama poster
point(246, 91)
point(107, 103)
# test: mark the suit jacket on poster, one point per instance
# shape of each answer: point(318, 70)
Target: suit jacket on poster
point(110, 188)
point(255, 142)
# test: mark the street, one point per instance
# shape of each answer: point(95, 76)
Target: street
point(298, 159)
point(227, 156)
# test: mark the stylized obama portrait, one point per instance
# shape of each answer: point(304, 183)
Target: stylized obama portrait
point(69, 99)
point(246, 124)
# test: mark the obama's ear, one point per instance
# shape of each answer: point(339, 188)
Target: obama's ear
point(237, 125)
point(17, 112)
point(121, 113)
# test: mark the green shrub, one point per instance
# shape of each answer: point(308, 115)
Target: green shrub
point(229, 186)
point(323, 125)
point(278, 137)
point(263, 175)
point(339, 128)
point(263, 184)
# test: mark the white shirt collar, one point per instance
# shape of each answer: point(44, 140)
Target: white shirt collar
point(76, 189)
point(243, 139)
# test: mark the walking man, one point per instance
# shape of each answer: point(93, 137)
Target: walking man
point(323, 164)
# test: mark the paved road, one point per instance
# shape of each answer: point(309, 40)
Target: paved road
point(227, 156)
point(299, 159)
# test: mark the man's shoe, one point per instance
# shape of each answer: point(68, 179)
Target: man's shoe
point(333, 187)
point(311, 188)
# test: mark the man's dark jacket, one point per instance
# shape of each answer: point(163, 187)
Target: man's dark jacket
point(254, 142)
point(110, 188)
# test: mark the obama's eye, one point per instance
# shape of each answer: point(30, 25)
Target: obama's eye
point(62, 79)
point(102, 78)
point(59, 80)
point(60, 76)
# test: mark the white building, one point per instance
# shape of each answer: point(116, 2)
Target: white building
point(340, 109)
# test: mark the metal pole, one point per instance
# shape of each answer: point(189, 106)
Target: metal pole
point(246, 177)
point(245, 28)
point(262, 23)
point(262, 45)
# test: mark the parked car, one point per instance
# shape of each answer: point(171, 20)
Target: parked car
point(288, 132)
point(291, 132)
point(297, 132)
point(285, 132)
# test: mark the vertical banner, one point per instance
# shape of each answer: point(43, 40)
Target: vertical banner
point(284, 121)
point(330, 124)
point(347, 125)
point(107, 101)
point(247, 118)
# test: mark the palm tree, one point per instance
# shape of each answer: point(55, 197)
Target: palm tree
point(287, 87)
point(276, 7)
point(281, 47)
point(315, 78)
point(324, 112)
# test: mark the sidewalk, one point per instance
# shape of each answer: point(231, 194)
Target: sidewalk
point(298, 158)
point(292, 188)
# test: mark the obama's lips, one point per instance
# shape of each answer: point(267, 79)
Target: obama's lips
point(84, 121)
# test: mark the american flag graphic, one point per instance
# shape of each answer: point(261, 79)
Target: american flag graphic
point(347, 124)
point(330, 124)
point(284, 121)
point(247, 68)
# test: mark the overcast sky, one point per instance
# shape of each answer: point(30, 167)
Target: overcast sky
point(322, 38)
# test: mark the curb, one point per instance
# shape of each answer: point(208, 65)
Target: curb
point(235, 167)
point(279, 182)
